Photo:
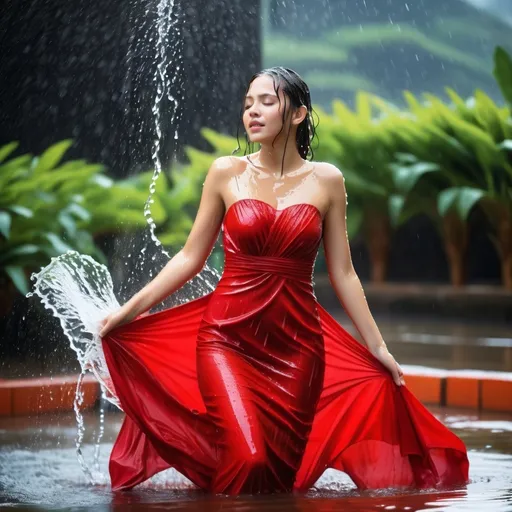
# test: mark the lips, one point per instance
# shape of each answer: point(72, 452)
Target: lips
point(256, 124)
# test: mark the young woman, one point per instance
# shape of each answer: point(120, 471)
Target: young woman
point(254, 387)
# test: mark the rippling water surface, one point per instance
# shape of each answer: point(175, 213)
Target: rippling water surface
point(39, 469)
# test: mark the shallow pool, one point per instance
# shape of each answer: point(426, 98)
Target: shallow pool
point(39, 468)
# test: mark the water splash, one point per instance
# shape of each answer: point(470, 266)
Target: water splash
point(79, 292)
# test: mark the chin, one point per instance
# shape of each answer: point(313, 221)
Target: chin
point(260, 139)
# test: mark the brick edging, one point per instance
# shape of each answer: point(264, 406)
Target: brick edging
point(22, 397)
point(477, 390)
point(473, 389)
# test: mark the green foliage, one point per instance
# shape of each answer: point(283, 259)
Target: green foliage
point(179, 193)
point(435, 158)
point(503, 72)
point(363, 149)
point(48, 207)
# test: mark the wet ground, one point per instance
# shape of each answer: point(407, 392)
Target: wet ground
point(445, 344)
point(39, 470)
point(437, 343)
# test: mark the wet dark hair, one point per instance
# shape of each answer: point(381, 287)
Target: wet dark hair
point(297, 91)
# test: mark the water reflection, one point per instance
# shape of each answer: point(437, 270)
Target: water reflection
point(38, 465)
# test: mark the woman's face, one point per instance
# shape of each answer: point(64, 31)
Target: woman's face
point(262, 116)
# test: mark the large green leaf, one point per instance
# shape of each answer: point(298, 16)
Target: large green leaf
point(17, 276)
point(503, 72)
point(57, 244)
point(460, 199)
point(21, 210)
point(11, 170)
point(79, 211)
point(407, 176)
point(5, 224)
point(52, 156)
point(22, 250)
point(447, 200)
point(468, 198)
point(102, 181)
point(68, 223)
point(6, 150)
point(488, 115)
point(403, 208)
point(359, 185)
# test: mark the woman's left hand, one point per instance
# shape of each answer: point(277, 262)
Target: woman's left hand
point(385, 357)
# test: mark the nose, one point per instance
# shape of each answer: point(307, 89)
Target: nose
point(253, 111)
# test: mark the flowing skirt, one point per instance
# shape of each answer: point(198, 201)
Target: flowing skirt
point(267, 405)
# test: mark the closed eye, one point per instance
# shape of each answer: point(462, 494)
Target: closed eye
point(266, 104)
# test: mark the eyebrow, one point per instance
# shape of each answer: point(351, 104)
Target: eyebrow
point(249, 97)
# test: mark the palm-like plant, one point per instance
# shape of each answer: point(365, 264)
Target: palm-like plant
point(362, 144)
point(461, 158)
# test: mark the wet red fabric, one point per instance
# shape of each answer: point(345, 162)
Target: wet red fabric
point(254, 387)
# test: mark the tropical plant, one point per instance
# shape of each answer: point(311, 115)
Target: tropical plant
point(48, 207)
point(359, 142)
point(178, 193)
point(460, 157)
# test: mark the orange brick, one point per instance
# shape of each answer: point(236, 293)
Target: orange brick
point(5, 401)
point(426, 388)
point(462, 392)
point(34, 399)
point(497, 395)
point(35, 396)
point(90, 390)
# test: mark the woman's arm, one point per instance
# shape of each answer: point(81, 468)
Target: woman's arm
point(343, 277)
point(187, 262)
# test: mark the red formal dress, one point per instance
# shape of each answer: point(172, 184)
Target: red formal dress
point(254, 387)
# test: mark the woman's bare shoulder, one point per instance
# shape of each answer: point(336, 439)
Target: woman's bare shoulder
point(326, 170)
point(228, 165)
point(331, 180)
point(328, 174)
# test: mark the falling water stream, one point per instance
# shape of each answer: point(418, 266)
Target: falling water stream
point(78, 290)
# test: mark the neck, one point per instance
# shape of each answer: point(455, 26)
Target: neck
point(271, 158)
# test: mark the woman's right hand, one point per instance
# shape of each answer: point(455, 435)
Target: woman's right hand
point(111, 321)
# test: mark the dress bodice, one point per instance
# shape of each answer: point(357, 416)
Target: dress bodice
point(255, 228)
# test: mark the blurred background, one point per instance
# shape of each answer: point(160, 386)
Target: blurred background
point(111, 114)
point(413, 101)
